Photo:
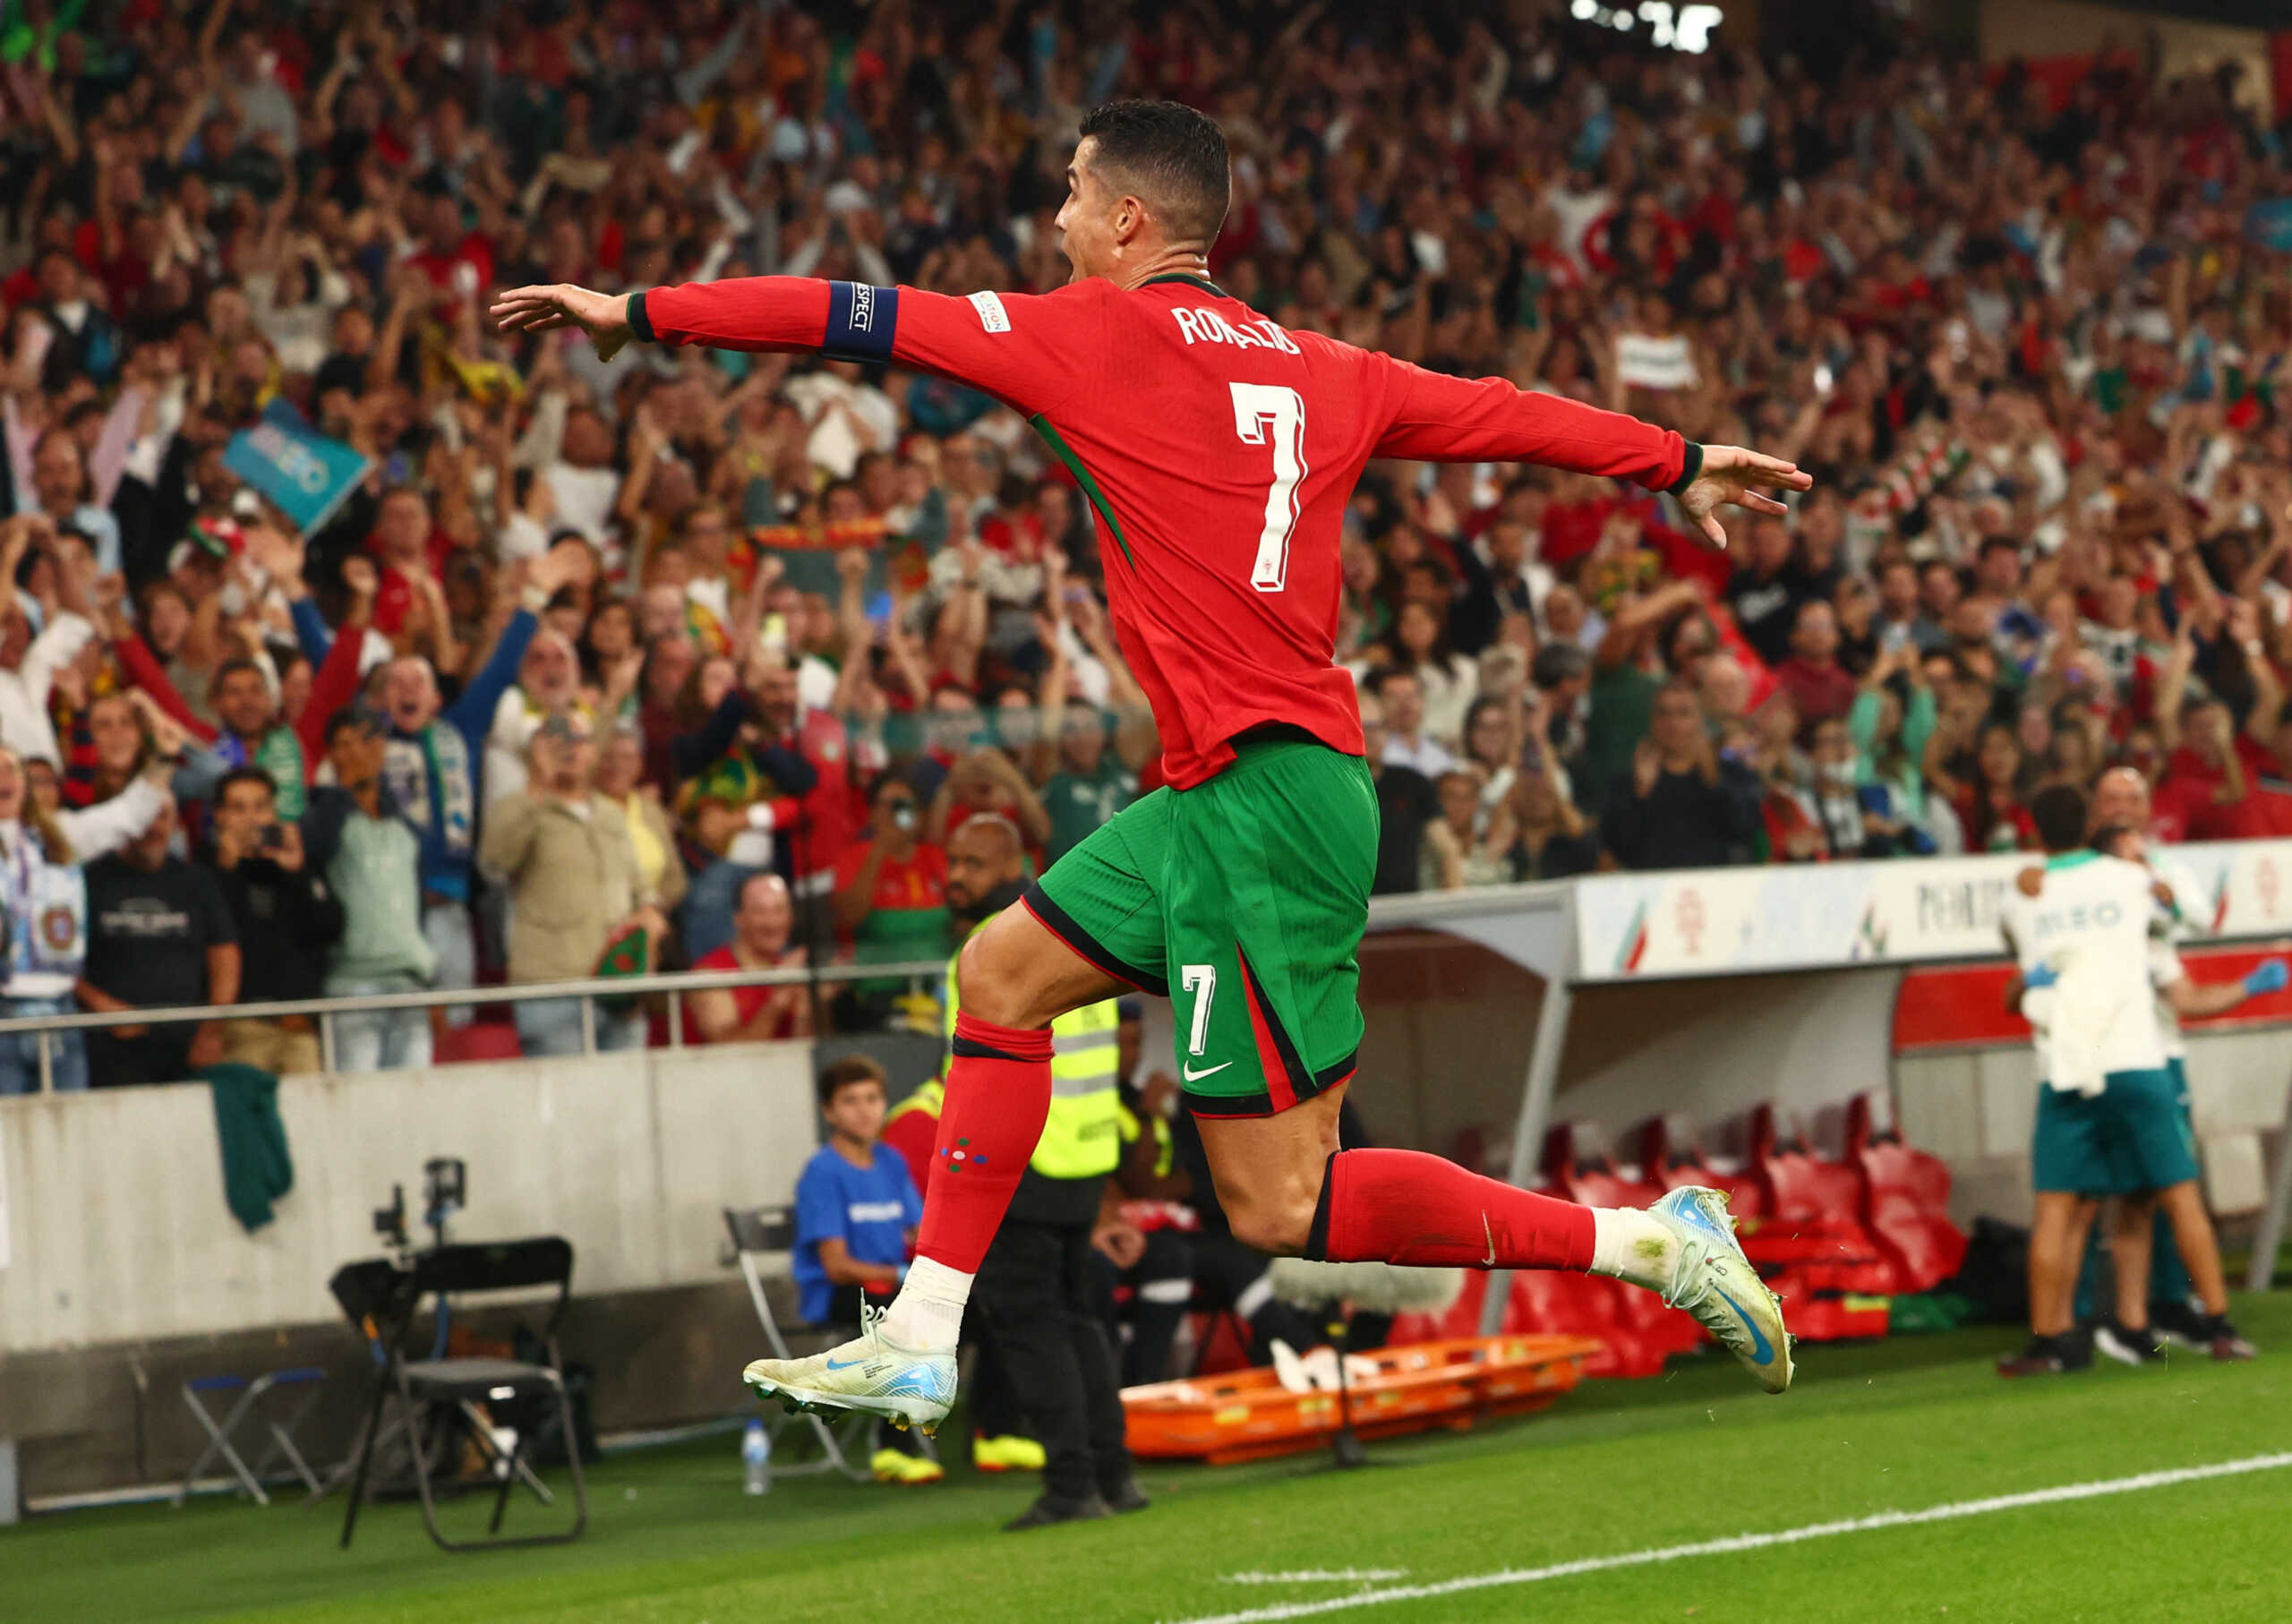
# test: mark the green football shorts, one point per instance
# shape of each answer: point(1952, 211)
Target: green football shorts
point(1243, 901)
point(2133, 1136)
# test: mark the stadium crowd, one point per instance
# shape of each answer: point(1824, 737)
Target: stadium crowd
point(698, 658)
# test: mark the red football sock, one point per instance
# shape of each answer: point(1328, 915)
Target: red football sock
point(1406, 1206)
point(998, 1096)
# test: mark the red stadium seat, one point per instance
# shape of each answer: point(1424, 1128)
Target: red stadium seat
point(1669, 1157)
point(1551, 1300)
point(1906, 1197)
point(1802, 1191)
point(1577, 1166)
point(1826, 1315)
point(1812, 1223)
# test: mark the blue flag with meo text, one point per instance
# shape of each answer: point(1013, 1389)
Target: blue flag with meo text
point(306, 474)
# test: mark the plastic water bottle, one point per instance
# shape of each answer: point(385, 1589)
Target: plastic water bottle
point(756, 1455)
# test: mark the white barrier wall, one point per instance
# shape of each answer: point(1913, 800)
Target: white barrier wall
point(1718, 1048)
point(118, 1228)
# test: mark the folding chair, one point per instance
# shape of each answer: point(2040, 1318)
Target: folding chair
point(756, 1231)
point(455, 1388)
point(367, 1292)
point(307, 1377)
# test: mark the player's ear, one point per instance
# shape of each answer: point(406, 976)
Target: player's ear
point(1129, 221)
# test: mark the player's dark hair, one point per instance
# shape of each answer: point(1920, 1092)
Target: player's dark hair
point(2058, 810)
point(231, 666)
point(844, 1072)
point(1171, 157)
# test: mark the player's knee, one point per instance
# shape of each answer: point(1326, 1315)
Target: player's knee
point(994, 980)
point(1279, 1219)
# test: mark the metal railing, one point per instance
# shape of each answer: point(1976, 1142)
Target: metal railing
point(916, 972)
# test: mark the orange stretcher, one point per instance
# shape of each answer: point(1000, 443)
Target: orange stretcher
point(1249, 1416)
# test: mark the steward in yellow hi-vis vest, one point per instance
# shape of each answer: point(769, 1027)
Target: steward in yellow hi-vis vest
point(1044, 1368)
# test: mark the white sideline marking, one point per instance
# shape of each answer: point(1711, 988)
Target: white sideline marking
point(1317, 1575)
point(1753, 1542)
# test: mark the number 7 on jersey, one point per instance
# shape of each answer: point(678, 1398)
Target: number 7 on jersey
point(1257, 408)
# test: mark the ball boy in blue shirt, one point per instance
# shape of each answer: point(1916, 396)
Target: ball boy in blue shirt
point(856, 1213)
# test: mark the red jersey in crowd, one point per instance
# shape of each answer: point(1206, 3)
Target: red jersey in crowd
point(1217, 451)
point(833, 808)
point(2188, 797)
point(746, 1000)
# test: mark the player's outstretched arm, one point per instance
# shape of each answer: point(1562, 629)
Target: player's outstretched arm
point(1435, 418)
point(1030, 351)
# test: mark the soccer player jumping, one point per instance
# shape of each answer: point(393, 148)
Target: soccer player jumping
point(1218, 452)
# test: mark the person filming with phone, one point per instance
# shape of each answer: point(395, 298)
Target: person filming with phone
point(285, 917)
point(891, 898)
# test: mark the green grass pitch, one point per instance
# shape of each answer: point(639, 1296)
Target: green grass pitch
point(1615, 1468)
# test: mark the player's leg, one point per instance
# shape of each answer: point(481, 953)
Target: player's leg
point(2183, 1205)
point(2126, 1336)
point(1017, 975)
point(1110, 1462)
point(2063, 1311)
point(2068, 1158)
point(2052, 1260)
point(2161, 1143)
point(2160, 1150)
point(1022, 1316)
point(1410, 1207)
point(1267, 897)
point(2172, 1312)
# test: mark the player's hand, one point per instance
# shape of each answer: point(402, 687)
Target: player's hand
point(2039, 977)
point(1729, 474)
point(1122, 1243)
point(604, 317)
point(2271, 977)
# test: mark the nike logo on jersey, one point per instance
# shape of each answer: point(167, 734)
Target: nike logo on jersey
point(1207, 1071)
point(1491, 1235)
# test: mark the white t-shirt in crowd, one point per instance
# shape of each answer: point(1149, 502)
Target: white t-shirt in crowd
point(2089, 925)
point(585, 498)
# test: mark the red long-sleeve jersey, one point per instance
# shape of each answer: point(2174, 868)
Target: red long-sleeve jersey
point(1217, 450)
